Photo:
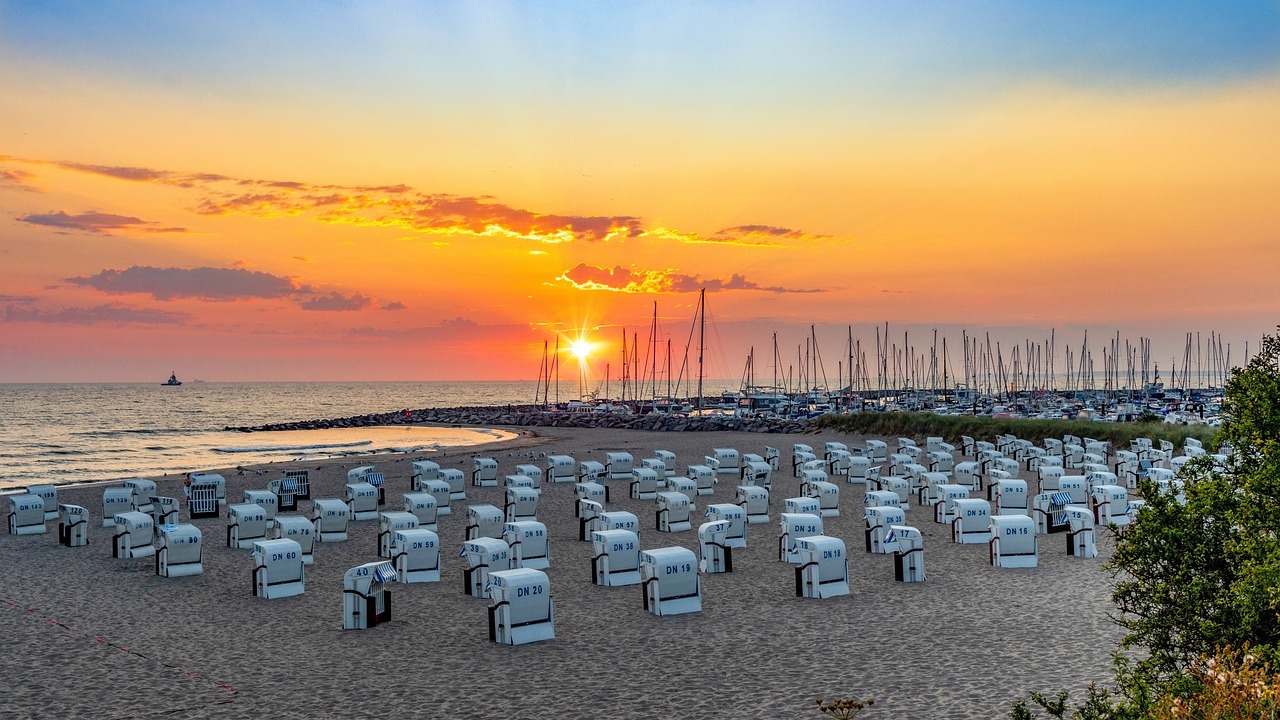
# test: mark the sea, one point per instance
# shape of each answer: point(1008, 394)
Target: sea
point(87, 432)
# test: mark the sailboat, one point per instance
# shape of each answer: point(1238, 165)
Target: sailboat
point(173, 380)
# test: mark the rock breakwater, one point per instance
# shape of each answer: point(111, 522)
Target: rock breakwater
point(533, 416)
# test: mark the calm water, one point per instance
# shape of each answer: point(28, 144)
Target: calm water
point(85, 432)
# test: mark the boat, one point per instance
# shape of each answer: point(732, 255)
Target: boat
point(173, 380)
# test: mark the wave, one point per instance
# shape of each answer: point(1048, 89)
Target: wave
point(282, 448)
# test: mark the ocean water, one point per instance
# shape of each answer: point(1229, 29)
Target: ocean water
point(66, 433)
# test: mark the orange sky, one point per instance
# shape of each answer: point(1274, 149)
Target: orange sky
point(443, 213)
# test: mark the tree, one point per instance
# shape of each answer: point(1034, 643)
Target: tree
point(1194, 579)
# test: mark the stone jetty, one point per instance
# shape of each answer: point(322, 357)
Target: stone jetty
point(535, 416)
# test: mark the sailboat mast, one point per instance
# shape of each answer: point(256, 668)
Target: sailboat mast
point(702, 337)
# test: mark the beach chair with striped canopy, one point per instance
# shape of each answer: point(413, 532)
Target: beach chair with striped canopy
point(303, 490)
point(286, 492)
point(366, 602)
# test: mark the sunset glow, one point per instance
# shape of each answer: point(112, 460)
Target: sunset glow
point(376, 192)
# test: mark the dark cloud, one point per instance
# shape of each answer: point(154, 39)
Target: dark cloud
point(97, 222)
point(207, 283)
point(24, 299)
point(110, 314)
point(397, 305)
point(337, 302)
point(620, 279)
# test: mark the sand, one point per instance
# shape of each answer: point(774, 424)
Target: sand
point(90, 636)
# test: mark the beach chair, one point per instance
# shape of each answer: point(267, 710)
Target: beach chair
point(757, 473)
point(792, 526)
point(618, 465)
point(521, 610)
point(800, 458)
point(484, 472)
point(521, 504)
point(114, 502)
point(668, 459)
point(1012, 542)
point(803, 505)
point(180, 551)
point(659, 469)
point(303, 480)
point(220, 483)
point(1048, 511)
point(938, 461)
point(278, 571)
point(968, 474)
point(202, 502)
point(823, 571)
point(669, 578)
point(673, 512)
point(704, 478)
point(714, 553)
point(971, 521)
point(682, 484)
point(265, 499)
point(908, 559)
point(439, 489)
point(617, 558)
point(590, 471)
point(644, 484)
point(899, 486)
point(533, 472)
point(484, 521)
point(73, 525)
point(968, 446)
point(482, 556)
point(828, 495)
point(839, 462)
point(560, 468)
point(725, 460)
point(736, 534)
point(423, 507)
point(362, 501)
point(1051, 478)
point(49, 494)
point(423, 470)
point(285, 490)
point(1011, 497)
point(858, 467)
point(164, 511)
point(329, 517)
point(1081, 539)
point(366, 602)
point(142, 491)
point(930, 492)
point(528, 542)
point(944, 510)
point(619, 520)
point(589, 491)
point(878, 521)
point(415, 555)
point(1110, 504)
point(589, 512)
point(298, 529)
point(246, 525)
point(456, 481)
point(133, 535)
point(772, 456)
point(754, 502)
point(388, 524)
point(26, 514)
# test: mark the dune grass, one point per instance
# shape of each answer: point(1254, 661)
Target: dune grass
point(921, 425)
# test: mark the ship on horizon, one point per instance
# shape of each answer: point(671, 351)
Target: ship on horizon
point(173, 380)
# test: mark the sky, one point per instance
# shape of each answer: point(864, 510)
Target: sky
point(435, 191)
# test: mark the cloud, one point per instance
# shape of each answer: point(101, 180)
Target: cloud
point(397, 305)
point(337, 302)
point(24, 299)
point(744, 235)
point(96, 222)
point(619, 279)
point(110, 314)
point(16, 178)
point(441, 215)
point(206, 283)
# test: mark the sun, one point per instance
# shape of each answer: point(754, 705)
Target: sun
point(580, 349)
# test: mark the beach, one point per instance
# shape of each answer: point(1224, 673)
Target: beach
point(92, 636)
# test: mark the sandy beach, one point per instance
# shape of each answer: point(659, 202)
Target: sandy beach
point(90, 636)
